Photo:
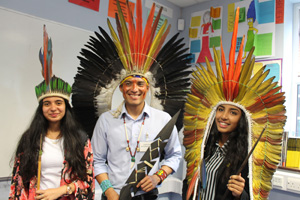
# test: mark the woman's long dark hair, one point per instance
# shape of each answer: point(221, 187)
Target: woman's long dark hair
point(74, 140)
point(237, 148)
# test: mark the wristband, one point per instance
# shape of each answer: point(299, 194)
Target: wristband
point(162, 174)
point(105, 185)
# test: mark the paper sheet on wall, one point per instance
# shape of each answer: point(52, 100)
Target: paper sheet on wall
point(160, 21)
point(275, 67)
point(91, 4)
point(279, 11)
point(112, 8)
point(193, 32)
point(257, 24)
point(204, 32)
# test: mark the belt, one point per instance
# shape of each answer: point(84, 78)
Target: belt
point(152, 195)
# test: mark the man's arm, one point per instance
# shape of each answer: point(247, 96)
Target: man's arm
point(110, 193)
point(99, 144)
point(150, 182)
point(173, 156)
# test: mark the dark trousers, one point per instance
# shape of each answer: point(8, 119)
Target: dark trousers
point(152, 195)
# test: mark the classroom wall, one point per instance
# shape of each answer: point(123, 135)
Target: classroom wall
point(77, 16)
point(64, 15)
point(57, 13)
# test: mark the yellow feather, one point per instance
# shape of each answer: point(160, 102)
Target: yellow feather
point(118, 45)
point(266, 86)
point(209, 69)
point(276, 109)
point(246, 71)
point(155, 44)
point(190, 109)
point(124, 32)
point(218, 67)
point(257, 80)
point(244, 78)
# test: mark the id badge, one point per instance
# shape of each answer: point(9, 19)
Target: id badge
point(144, 146)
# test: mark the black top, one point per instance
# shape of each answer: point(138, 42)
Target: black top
point(221, 187)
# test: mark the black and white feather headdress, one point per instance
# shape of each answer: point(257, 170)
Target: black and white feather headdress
point(106, 60)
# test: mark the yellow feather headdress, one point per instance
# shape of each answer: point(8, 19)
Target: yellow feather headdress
point(261, 101)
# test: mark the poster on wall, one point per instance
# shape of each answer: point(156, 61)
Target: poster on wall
point(91, 4)
point(160, 21)
point(279, 11)
point(273, 65)
point(113, 9)
point(166, 12)
point(257, 23)
point(205, 33)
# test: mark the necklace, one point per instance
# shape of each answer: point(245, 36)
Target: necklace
point(137, 149)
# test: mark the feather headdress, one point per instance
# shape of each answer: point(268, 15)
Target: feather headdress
point(52, 85)
point(261, 101)
point(107, 60)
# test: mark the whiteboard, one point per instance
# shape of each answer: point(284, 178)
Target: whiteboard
point(21, 37)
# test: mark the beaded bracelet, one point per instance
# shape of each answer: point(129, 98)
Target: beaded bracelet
point(105, 185)
point(162, 174)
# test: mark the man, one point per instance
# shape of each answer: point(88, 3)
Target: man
point(136, 61)
point(120, 142)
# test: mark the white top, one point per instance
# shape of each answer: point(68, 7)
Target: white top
point(52, 163)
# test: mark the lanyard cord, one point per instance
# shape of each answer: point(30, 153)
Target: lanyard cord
point(138, 141)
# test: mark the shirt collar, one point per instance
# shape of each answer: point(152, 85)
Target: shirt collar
point(222, 149)
point(145, 111)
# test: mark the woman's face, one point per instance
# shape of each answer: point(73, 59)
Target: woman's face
point(54, 108)
point(206, 17)
point(227, 118)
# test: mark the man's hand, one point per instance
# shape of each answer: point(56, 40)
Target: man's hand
point(148, 183)
point(236, 185)
point(111, 194)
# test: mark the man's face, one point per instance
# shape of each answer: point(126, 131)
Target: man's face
point(134, 91)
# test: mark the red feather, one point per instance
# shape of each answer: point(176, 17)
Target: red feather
point(139, 31)
point(131, 30)
point(237, 71)
point(192, 185)
point(45, 69)
point(232, 55)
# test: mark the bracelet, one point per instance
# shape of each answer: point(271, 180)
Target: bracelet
point(162, 174)
point(105, 185)
point(69, 189)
